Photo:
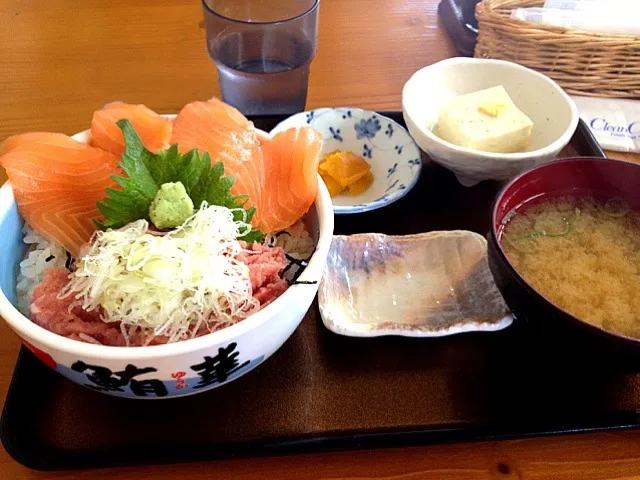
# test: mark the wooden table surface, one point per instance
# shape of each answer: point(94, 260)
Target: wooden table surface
point(62, 59)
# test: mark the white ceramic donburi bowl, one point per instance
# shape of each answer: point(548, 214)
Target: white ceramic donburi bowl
point(176, 369)
point(553, 113)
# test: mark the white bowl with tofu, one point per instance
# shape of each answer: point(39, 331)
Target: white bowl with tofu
point(487, 119)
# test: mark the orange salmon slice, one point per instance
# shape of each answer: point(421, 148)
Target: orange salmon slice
point(57, 183)
point(291, 161)
point(154, 130)
point(223, 132)
point(26, 140)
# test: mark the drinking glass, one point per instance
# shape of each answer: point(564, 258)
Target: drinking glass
point(263, 50)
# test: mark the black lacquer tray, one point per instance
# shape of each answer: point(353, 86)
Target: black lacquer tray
point(323, 391)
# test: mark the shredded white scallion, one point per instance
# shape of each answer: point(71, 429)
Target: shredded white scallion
point(171, 285)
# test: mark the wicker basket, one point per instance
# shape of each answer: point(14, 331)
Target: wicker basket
point(582, 63)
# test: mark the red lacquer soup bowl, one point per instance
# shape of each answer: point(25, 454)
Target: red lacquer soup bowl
point(541, 318)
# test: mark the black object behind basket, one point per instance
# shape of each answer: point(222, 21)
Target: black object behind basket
point(459, 18)
point(324, 391)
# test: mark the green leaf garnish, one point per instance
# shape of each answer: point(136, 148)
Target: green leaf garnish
point(146, 172)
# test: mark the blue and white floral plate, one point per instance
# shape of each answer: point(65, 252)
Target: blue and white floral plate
point(386, 145)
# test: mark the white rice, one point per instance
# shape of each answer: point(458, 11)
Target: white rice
point(42, 256)
point(295, 241)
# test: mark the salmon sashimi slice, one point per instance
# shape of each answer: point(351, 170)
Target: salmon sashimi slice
point(153, 129)
point(56, 185)
point(26, 140)
point(223, 132)
point(291, 161)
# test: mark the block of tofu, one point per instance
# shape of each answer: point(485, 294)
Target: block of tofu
point(485, 120)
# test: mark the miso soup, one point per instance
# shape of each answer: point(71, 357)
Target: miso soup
point(583, 254)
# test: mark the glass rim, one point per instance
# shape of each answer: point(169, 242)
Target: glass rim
point(275, 22)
